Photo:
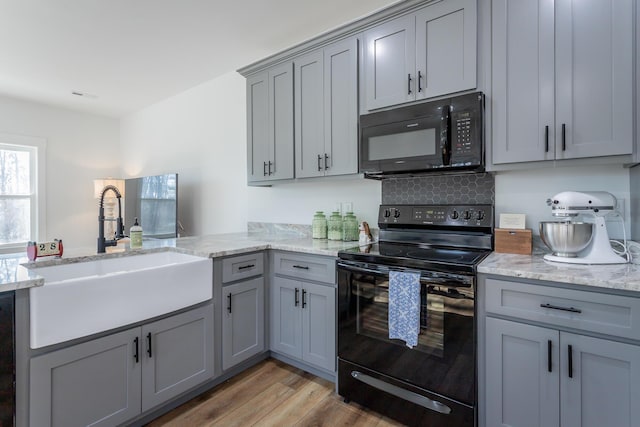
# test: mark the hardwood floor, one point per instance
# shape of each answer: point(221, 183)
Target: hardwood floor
point(272, 394)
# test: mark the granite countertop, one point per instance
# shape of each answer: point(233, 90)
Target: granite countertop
point(14, 275)
point(622, 277)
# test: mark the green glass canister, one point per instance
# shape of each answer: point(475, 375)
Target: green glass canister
point(335, 226)
point(350, 231)
point(319, 225)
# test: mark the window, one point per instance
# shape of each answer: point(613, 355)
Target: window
point(20, 191)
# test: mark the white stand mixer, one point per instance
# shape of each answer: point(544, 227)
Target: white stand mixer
point(594, 206)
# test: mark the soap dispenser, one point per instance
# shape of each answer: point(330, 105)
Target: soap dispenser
point(135, 234)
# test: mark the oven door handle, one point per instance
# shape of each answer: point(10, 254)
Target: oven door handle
point(462, 281)
point(416, 398)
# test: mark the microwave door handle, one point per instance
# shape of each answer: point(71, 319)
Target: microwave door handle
point(445, 135)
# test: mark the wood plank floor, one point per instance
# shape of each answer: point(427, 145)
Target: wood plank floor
point(272, 394)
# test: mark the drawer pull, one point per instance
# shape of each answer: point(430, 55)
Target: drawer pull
point(557, 307)
point(244, 267)
point(301, 267)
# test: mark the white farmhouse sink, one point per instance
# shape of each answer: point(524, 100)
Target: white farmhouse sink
point(85, 298)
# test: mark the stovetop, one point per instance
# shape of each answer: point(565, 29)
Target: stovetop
point(430, 237)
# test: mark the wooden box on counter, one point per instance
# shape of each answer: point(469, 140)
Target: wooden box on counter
point(512, 241)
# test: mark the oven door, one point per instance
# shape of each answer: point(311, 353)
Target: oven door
point(443, 362)
point(410, 144)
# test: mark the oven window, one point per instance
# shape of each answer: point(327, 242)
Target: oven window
point(371, 294)
point(403, 145)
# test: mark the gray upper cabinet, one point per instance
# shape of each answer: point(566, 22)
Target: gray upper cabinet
point(326, 115)
point(562, 74)
point(270, 124)
point(424, 54)
point(242, 321)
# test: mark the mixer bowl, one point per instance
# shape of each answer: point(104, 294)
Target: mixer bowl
point(566, 238)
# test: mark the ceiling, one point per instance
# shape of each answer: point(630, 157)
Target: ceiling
point(127, 54)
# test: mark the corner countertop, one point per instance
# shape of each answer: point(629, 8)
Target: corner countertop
point(619, 277)
point(14, 275)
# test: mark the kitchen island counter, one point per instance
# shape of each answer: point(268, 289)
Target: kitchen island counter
point(15, 275)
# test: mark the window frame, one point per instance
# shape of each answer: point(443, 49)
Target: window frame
point(37, 202)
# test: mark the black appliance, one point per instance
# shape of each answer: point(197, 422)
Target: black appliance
point(437, 136)
point(433, 383)
point(7, 360)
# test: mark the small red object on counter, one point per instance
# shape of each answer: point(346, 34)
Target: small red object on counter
point(38, 250)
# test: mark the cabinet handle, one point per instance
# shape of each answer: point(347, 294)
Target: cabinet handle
point(270, 163)
point(319, 160)
point(557, 307)
point(149, 344)
point(136, 355)
point(326, 161)
point(570, 348)
point(264, 168)
point(549, 353)
point(244, 267)
point(296, 301)
point(546, 139)
point(409, 84)
point(304, 298)
point(419, 81)
point(229, 302)
point(301, 267)
point(564, 137)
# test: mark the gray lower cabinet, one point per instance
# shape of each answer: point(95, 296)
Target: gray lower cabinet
point(559, 356)
point(242, 321)
point(113, 379)
point(326, 111)
point(270, 124)
point(303, 323)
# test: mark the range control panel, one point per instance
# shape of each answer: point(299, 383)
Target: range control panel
point(442, 215)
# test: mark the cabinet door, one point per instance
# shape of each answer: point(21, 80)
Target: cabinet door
point(309, 115)
point(319, 325)
point(177, 355)
point(341, 107)
point(520, 388)
point(286, 317)
point(280, 150)
point(389, 63)
point(594, 77)
point(242, 321)
point(446, 48)
point(257, 126)
point(523, 81)
point(95, 383)
point(602, 388)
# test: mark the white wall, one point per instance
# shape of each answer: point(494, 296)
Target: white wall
point(201, 135)
point(79, 148)
point(527, 191)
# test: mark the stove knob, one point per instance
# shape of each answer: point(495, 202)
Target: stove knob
point(480, 215)
point(467, 215)
point(387, 213)
point(454, 214)
point(396, 214)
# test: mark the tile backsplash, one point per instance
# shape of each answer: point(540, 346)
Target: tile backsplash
point(440, 189)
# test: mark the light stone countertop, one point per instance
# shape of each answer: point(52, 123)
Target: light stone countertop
point(620, 277)
point(14, 275)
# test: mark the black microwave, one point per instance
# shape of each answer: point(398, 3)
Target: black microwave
point(437, 136)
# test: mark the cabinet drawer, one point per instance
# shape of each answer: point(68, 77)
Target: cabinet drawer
point(308, 267)
point(241, 267)
point(590, 311)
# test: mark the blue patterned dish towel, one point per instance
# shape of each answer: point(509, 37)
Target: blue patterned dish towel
point(404, 307)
